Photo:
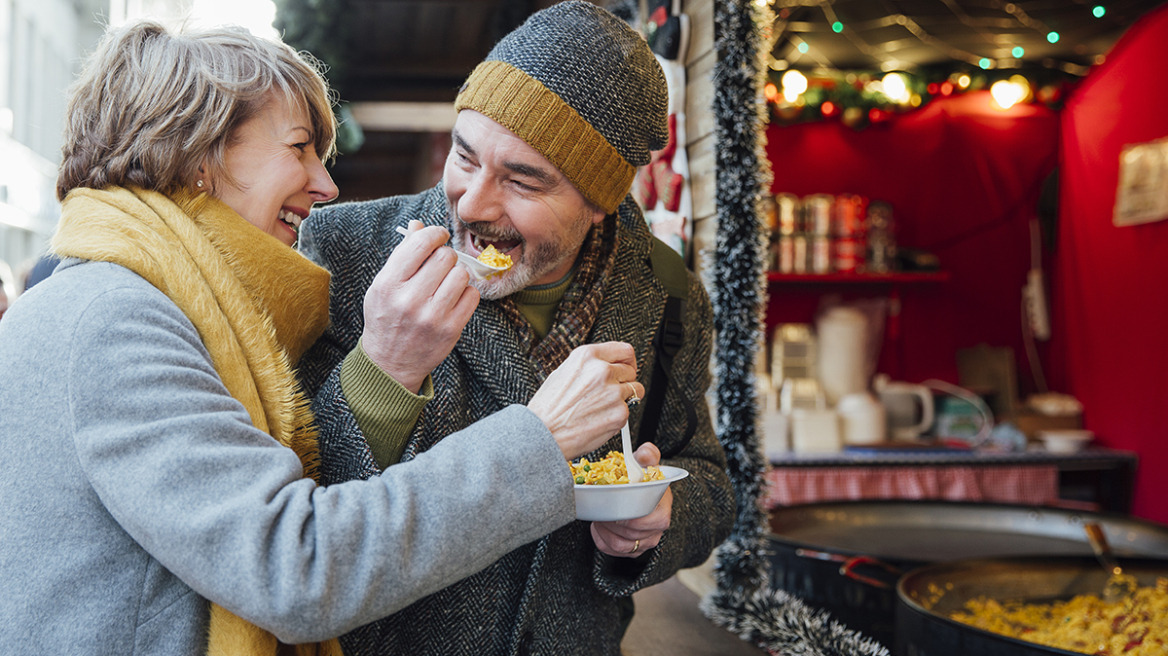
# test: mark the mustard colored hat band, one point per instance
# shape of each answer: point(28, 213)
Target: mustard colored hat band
point(535, 114)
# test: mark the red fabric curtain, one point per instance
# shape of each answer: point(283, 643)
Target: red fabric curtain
point(1111, 283)
point(963, 179)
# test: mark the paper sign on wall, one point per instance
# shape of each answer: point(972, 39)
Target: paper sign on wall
point(1142, 196)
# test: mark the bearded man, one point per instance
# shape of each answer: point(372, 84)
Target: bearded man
point(550, 130)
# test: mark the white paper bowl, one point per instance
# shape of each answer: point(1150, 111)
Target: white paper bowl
point(610, 503)
point(1065, 441)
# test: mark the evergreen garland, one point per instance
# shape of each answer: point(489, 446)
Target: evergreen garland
point(743, 601)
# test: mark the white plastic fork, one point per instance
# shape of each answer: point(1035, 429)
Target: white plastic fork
point(635, 473)
point(478, 269)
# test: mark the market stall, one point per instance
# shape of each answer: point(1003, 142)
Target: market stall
point(980, 190)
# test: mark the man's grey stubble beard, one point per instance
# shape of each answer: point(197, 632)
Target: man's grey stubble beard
point(536, 263)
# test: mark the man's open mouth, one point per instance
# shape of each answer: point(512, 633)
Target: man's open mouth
point(504, 246)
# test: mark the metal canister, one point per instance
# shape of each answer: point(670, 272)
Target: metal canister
point(848, 216)
point(821, 254)
point(788, 208)
point(799, 251)
point(848, 229)
point(817, 211)
point(787, 254)
point(881, 239)
point(848, 254)
point(879, 216)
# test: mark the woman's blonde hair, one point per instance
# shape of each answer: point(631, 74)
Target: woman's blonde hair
point(151, 104)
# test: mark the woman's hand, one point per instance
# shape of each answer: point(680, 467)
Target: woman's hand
point(417, 306)
point(631, 538)
point(582, 402)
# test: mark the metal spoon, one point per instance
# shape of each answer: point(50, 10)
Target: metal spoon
point(478, 269)
point(1118, 585)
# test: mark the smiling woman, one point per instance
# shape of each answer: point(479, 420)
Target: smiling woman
point(169, 458)
point(272, 173)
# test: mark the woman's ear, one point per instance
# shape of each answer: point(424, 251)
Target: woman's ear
point(202, 182)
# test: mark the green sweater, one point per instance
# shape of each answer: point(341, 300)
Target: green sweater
point(386, 411)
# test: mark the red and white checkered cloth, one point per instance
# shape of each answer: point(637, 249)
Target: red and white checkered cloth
point(1015, 484)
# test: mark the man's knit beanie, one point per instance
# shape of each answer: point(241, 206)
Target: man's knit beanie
point(583, 88)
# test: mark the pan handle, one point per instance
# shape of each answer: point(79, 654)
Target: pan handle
point(850, 563)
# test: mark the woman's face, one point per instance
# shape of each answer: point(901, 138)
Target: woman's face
point(278, 175)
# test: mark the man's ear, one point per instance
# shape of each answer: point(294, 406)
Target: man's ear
point(597, 214)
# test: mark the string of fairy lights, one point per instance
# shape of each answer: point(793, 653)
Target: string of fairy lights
point(804, 85)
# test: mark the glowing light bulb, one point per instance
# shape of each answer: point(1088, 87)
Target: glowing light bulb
point(803, 47)
point(984, 62)
point(895, 87)
point(1018, 52)
point(1053, 37)
point(794, 84)
point(1007, 93)
point(1098, 11)
point(1024, 94)
point(837, 27)
point(963, 81)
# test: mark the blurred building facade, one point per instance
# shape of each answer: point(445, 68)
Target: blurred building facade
point(42, 45)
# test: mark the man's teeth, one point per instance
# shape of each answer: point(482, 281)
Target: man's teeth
point(481, 244)
point(291, 218)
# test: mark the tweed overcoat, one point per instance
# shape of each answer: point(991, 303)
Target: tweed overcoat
point(557, 595)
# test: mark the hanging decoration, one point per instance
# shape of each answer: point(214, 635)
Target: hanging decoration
point(743, 601)
point(893, 63)
point(860, 99)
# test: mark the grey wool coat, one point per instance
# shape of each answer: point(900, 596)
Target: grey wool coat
point(137, 489)
point(559, 594)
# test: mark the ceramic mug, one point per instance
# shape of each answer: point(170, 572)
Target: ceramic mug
point(909, 408)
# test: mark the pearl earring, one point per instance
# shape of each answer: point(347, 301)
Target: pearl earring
point(199, 184)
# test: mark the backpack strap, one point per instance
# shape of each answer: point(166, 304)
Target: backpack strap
point(671, 271)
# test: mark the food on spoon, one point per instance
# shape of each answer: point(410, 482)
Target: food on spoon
point(609, 470)
point(492, 257)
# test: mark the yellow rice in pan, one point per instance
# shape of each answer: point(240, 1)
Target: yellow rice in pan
point(1134, 626)
point(609, 470)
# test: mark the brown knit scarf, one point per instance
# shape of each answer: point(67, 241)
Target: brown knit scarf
point(581, 303)
point(256, 303)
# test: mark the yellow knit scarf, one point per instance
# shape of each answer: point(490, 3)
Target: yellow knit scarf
point(257, 304)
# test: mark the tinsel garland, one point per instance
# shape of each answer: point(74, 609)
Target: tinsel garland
point(741, 178)
point(782, 624)
point(743, 601)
